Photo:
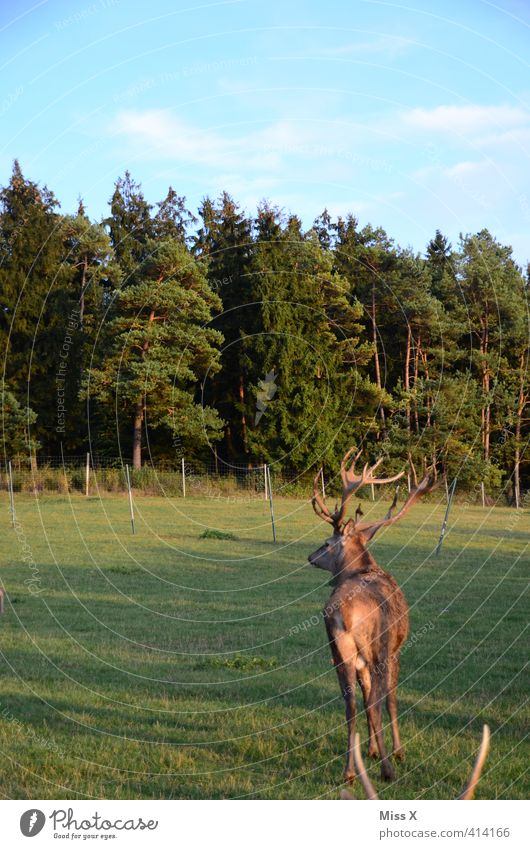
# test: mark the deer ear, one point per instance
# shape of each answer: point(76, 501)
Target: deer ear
point(348, 528)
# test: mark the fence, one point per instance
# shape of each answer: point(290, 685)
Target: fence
point(95, 474)
point(92, 475)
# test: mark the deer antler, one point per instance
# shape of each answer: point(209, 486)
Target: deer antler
point(467, 792)
point(351, 482)
point(319, 505)
point(360, 769)
point(469, 789)
point(426, 484)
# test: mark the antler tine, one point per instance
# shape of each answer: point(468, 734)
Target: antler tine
point(360, 769)
point(348, 475)
point(375, 466)
point(368, 474)
point(469, 789)
point(318, 502)
point(348, 454)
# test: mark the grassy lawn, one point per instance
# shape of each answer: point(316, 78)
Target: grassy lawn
point(163, 665)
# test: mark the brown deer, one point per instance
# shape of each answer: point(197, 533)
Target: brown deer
point(467, 793)
point(366, 616)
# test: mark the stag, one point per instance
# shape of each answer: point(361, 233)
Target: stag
point(366, 616)
point(467, 793)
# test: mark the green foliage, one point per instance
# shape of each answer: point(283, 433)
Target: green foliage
point(16, 423)
point(213, 533)
point(256, 340)
point(160, 345)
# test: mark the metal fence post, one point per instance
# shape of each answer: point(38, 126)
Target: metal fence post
point(87, 475)
point(447, 509)
point(11, 493)
point(271, 504)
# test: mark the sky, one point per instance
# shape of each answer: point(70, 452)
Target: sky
point(411, 116)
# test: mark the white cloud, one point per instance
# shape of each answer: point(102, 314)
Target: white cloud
point(466, 169)
point(472, 119)
point(391, 45)
point(159, 134)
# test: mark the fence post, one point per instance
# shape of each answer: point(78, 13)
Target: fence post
point(87, 475)
point(408, 481)
point(183, 465)
point(444, 525)
point(11, 493)
point(271, 503)
point(373, 491)
point(265, 478)
point(483, 493)
point(131, 508)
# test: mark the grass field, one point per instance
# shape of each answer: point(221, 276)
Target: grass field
point(163, 665)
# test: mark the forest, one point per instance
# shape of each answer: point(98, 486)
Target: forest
point(157, 333)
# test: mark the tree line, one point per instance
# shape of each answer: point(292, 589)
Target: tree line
point(156, 333)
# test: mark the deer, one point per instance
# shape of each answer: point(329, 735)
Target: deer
point(366, 616)
point(469, 788)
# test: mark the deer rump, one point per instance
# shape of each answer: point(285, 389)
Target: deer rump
point(367, 623)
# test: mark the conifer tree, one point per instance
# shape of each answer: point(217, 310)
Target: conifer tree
point(160, 348)
point(34, 299)
point(224, 241)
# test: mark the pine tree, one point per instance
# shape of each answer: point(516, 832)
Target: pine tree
point(224, 241)
point(305, 342)
point(35, 299)
point(162, 347)
point(130, 226)
point(17, 427)
point(368, 260)
point(172, 219)
point(487, 280)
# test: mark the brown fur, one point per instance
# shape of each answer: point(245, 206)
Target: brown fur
point(366, 620)
point(366, 616)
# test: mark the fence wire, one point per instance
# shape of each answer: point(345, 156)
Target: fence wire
point(212, 479)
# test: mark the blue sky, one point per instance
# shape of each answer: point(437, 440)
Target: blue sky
point(411, 116)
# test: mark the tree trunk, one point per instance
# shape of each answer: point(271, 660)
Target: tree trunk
point(521, 403)
point(243, 417)
point(486, 409)
point(416, 372)
point(428, 399)
point(82, 292)
point(137, 434)
point(376, 351)
point(407, 372)
point(139, 413)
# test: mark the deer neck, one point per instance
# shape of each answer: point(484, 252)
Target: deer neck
point(355, 559)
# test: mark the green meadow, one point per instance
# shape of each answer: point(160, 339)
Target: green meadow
point(177, 664)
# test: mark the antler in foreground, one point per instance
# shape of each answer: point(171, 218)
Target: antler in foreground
point(467, 793)
point(469, 789)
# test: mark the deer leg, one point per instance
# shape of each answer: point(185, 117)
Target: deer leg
point(344, 653)
point(391, 704)
point(365, 682)
point(374, 712)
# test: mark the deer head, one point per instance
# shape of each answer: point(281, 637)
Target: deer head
point(346, 548)
point(469, 788)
